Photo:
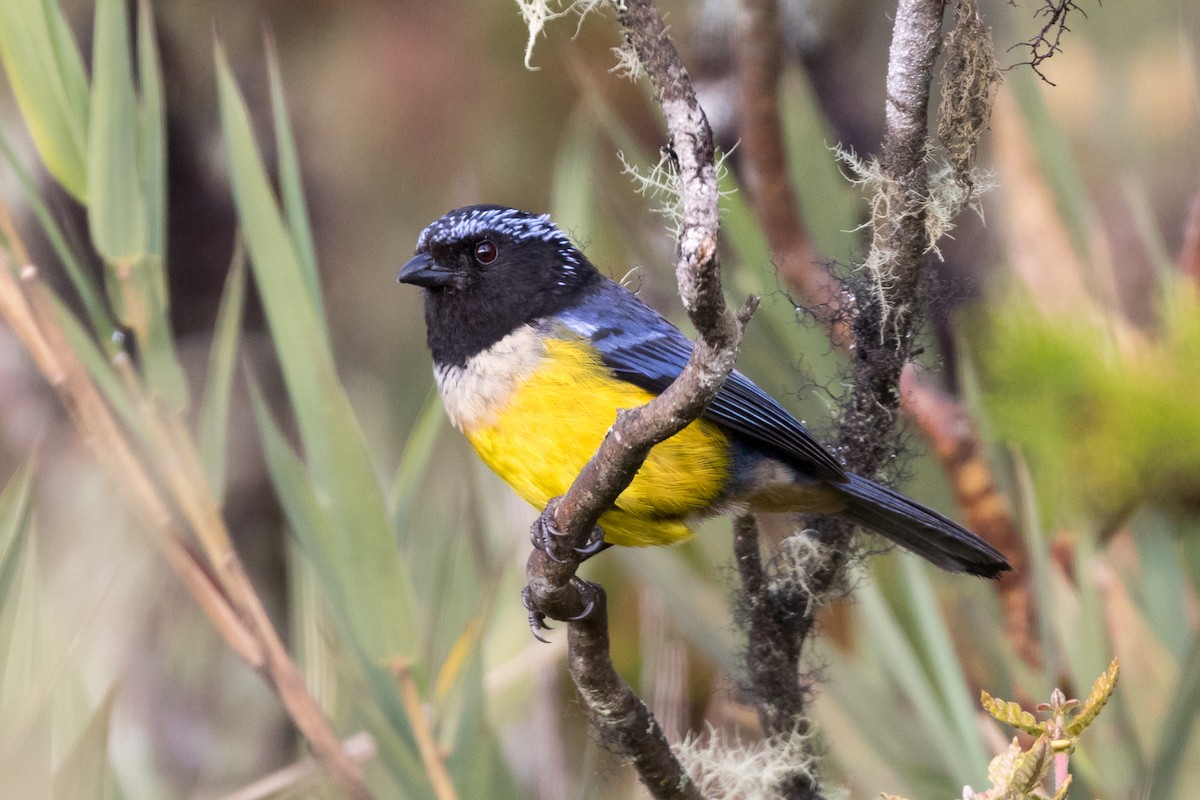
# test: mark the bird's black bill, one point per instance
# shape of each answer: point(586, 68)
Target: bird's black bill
point(424, 271)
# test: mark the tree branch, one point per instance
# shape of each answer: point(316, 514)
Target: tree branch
point(780, 615)
point(620, 717)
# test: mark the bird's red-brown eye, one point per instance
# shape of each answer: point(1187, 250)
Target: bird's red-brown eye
point(486, 251)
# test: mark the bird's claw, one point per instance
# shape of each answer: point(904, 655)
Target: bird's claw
point(537, 617)
point(546, 536)
point(589, 593)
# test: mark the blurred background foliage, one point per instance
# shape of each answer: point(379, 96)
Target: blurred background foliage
point(1068, 324)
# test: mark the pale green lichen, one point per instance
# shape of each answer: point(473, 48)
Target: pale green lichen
point(536, 13)
point(725, 770)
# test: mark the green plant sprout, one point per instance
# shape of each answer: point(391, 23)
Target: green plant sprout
point(1020, 774)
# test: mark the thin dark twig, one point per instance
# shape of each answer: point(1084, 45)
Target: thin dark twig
point(1048, 40)
point(553, 590)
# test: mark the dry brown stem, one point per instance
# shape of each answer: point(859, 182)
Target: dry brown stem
point(216, 577)
point(759, 64)
point(959, 450)
point(1189, 251)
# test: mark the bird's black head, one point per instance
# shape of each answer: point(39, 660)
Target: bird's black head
point(487, 270)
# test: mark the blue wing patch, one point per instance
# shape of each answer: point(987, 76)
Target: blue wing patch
point(642, 347)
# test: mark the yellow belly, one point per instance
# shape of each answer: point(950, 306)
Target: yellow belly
point(554, 420)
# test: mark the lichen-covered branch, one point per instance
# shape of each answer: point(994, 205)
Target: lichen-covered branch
point(886, 321)
point(620, 717)
point(778, 615)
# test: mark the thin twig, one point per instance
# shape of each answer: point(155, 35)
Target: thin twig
point(1048, 40)
point(435, 767)
point(360, 747)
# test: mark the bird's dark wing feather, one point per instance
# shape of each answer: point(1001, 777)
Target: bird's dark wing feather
point(642, 347)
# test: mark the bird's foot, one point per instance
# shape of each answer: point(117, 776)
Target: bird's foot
point(589, 594)
point(546, 536)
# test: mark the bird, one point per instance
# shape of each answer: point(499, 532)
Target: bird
point(535, 351)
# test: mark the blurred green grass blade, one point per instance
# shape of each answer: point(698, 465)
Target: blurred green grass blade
point(1055, 158)
point(310, 521)
point(778, 340)
point(696, 607)
point(938, 650)
point(48, 77)
point(1164, 599)
point(1025, 497)
point(126, 192)
point(358, 543)
point(312, 639)
point(414, 461)
point(81, 278)
point(291, 184)
point(862, 750)
point(573, 186)
point(97, 365)
point(475, 763)
point(1177, 732)
point(831, 206)
point(909, 677)
point(152, 129)
point(14, 531)
point(222, 355)
point(116, 197)
point(140, 295)
point(308, 517)
point(85, 774)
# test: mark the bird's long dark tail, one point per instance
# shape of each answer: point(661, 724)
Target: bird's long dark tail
point(922, 530)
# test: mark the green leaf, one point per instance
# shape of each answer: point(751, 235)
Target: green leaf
point(49, 80)
point(908, 676)
point(214, 414)
point(1177, 732)
point(1102, 690)
point(116, 198)
point(933, 641)
point(14, 529)
point(85, 772)
point(418, 450)
point(152, 128)
point(126, 194)
point(310, 521)
point(290, 183)
point(358, 543)
point(1011, 713)
point(1030, 769)
point(97, 365)
point(81, 278)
